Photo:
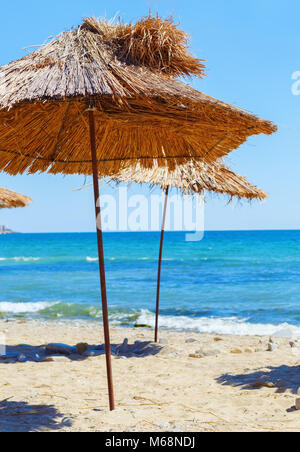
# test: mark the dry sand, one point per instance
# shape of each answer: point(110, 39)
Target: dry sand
point(169, 391)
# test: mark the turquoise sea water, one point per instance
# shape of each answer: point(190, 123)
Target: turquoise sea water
point(230, 282)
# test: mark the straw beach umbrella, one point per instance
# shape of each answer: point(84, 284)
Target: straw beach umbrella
point(191, 178)
point(10, 199)
point(105, 95)
point(194, 178)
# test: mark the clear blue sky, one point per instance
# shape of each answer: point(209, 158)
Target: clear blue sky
point(251, 48)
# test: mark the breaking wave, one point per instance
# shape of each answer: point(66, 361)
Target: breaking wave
point(130, 318)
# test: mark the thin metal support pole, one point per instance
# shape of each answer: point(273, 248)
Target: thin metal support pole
point(159, 265)
point(101, 261)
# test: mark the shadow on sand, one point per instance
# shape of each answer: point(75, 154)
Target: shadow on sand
point(22, 417)
point(29, 353)
point(282, 378)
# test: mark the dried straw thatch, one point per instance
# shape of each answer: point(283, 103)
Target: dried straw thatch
point(194, 178)
point(143, 114)
point(9, 199)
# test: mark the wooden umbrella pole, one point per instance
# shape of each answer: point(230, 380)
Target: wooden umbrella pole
point(159, 264)
point(101, 262)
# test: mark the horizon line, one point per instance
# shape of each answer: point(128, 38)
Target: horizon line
point(158, 230)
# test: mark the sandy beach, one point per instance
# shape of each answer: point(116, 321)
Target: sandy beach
point(239, 386)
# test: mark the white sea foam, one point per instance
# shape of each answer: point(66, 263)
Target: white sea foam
point(213, 325)
point(91, 259)
point(23, 308)
point(225, 325)
point(20, 258)
point(26, 259)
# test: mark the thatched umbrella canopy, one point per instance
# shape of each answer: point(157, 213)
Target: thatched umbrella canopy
point(142, 113)
point(191, 178)
point(194, 177)
point(9, 199)
point(102, 95)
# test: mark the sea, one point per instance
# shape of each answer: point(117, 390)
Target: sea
point(231, 282)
